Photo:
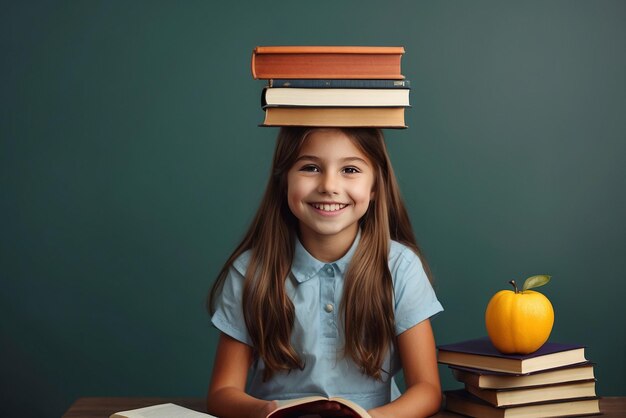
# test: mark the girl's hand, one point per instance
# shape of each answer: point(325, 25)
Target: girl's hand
point(375, 414)
point(270, 406)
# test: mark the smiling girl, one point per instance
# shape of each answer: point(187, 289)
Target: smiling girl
point(327, 294)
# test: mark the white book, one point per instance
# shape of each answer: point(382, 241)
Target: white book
point(335, 97)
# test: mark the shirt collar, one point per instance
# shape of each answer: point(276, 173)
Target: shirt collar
point(305, 266)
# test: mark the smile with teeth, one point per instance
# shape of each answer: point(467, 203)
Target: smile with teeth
point(329, 207)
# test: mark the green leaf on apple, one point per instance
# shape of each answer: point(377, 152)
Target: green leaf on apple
point(536, 281)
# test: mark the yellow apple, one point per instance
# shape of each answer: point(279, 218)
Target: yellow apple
point(519, 322)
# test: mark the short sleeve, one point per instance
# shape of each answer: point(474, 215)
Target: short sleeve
point(415, 299)
point(228, 316)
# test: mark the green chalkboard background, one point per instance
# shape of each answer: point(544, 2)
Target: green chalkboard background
point(131, 163)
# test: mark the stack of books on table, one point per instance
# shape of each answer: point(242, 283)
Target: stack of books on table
point(554, 381)
point(332, 86)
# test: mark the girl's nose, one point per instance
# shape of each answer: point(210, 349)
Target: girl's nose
point(328, 183)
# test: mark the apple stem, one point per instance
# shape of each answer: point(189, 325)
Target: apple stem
point(514, 285)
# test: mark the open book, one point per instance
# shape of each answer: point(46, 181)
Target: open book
point(166, 410)
point(307, 407)
point(293, 408)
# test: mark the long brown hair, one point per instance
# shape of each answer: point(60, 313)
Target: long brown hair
point(367, 303)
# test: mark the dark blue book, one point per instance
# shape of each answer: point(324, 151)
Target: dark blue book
point(340, 84)
point(481, 354)
point(487, 379)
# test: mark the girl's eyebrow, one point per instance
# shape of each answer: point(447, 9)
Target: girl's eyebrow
point(343, 160)
point(307, 157)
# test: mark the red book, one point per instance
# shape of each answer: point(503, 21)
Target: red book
point(327, 62)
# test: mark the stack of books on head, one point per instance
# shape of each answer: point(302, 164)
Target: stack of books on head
point(332, 86)
point(554, 381)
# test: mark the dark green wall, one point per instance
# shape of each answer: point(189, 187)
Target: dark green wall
point(131, 162)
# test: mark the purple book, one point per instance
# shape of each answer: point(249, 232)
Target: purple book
point(481, 354)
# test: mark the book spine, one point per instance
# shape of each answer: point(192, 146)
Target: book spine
point(253, 65)
point(339, 84)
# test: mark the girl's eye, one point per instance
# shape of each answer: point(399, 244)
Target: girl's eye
point(310, 168)
point(351, 170)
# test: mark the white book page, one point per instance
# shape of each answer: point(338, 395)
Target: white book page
point(167, 410)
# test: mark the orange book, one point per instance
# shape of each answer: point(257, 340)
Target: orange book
point(330, 62)
point(379, 117)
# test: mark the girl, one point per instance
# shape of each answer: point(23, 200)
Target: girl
point(326, 294)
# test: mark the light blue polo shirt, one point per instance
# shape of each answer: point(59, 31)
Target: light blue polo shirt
point(315, 289)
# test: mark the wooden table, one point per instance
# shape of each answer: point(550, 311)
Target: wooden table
point(103, 407)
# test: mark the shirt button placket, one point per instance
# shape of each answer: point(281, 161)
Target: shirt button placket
point(327, 300)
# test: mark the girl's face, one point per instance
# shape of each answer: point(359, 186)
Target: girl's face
point(329, 187)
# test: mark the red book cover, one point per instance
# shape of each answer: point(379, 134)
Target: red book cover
point(327, 62)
